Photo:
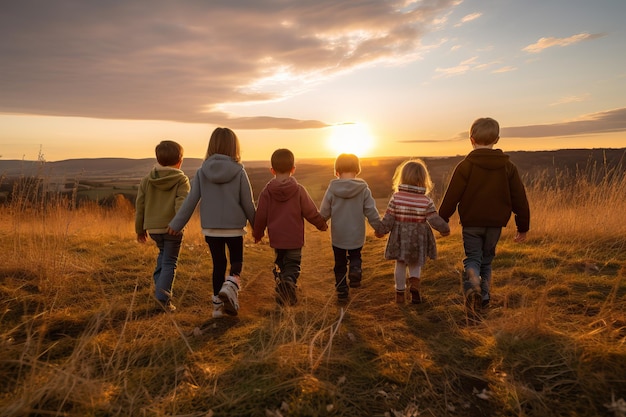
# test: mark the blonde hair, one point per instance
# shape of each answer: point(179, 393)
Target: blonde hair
point(225, 142)
point(485, 131)
point(347, 162)
point(412, 172)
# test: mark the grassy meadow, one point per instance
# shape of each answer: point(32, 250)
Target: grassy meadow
point(80, 334)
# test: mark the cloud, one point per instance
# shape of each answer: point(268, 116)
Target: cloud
point(468, 18)
point(570, 99)
point(183, 60)
point(545, 43)
point(594, 123)
point(464, 67)
point(504, 69)
point(601, 122)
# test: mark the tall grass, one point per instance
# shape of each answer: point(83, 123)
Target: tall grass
point(581, 205)
point(80, 334)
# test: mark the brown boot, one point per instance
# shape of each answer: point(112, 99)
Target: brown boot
point(415, 290)
point(400, 297)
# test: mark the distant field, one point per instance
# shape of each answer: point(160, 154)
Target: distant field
point(100, 179)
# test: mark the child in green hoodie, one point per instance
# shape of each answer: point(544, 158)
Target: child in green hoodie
point(160, 195)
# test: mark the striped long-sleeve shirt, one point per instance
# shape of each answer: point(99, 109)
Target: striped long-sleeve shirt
point(410, 204)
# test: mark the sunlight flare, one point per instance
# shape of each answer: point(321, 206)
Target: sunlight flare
point(352, 138)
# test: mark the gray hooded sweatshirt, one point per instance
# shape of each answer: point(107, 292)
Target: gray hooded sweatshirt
point(348, 202)
point(223, 189)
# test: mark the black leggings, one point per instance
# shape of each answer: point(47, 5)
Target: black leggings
point(217, 246)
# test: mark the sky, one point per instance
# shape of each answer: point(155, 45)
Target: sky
point(92, 78)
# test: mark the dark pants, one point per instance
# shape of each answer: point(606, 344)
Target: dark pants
point(288, 264)
point(165, 270)
point(347, 260)
point(217, 246)
point(480, 249)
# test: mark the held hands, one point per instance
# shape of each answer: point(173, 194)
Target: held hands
point(142, 237)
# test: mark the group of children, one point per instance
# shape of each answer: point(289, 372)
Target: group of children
point(485, 187)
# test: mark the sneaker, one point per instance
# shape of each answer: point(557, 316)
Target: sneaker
point(355, 278)
point(218, 307)
point(343, 293)
point(286, 292)
point(167, 306)
point(229, 295)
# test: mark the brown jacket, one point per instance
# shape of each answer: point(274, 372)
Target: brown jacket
point(487, 188)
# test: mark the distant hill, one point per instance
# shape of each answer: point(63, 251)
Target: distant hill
point(316, 173)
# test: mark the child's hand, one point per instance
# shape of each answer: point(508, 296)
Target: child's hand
point(142, 237)
point(172, 232)
point(520, 237)
point(324, 228)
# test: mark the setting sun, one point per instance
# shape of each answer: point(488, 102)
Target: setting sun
point(350, 138)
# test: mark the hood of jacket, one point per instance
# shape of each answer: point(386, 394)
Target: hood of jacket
point(488, 158)
point(164, 178)
point(347, 188)
point(283, 190)
point(220, 169)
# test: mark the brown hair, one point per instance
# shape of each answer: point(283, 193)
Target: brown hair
point(225, 142)
point(485, 131)
point(282, 160)
point(347, 162)
point(412, 172)
point(168, 153)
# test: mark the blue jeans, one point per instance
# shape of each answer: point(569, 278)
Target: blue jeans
point(480, 249)
point(167, 260)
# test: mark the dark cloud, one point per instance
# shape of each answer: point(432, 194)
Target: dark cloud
point(595, 123)
point(179, 60)
point(601, 122)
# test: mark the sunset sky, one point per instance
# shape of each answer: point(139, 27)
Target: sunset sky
point(93, 78)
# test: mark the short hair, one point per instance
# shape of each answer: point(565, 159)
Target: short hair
point(168, 153)
point(485, 131)
point(413, 172)
point(282, 160)
point(347, 162)
point(225, 142)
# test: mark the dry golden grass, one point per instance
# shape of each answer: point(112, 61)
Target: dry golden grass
point(80, 334)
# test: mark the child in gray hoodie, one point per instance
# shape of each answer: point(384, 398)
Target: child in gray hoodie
point(222, 188)
point(348, 201)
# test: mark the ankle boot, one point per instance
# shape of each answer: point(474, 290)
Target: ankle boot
point(414, 282)
point(400, 296)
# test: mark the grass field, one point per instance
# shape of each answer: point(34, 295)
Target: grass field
point(80, 334)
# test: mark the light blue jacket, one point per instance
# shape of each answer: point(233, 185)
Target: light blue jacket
point(348, 202)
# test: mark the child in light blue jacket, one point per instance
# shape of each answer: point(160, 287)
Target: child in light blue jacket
point(348, 202)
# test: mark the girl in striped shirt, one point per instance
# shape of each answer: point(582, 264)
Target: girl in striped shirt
point(408, 220)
